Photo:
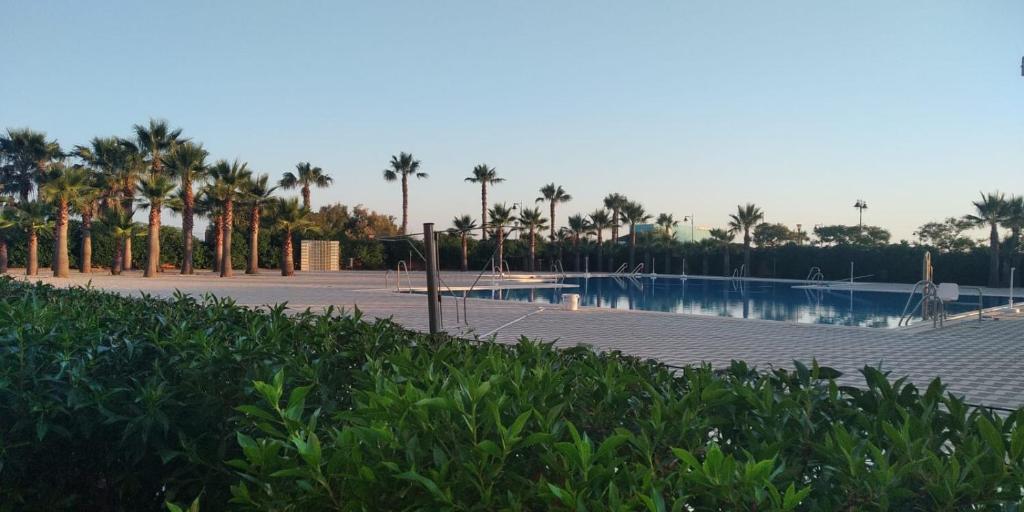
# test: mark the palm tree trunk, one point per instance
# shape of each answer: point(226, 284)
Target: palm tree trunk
point(287, 259)
point(993, 271)
point(115, 269)
point(500, 233)
point(85, 263)
point(600, 251)
point(187, 213)
point(61, 265)
point(465, 252)
point(632, 247)
point(153, 237)
point(483, 210)
point(229, 220)
point(126, 258)
point(305, 197)
point(254, 238)
point(218, 242)
point(552, 221)
point(405, 203)
point(32, 265)
point(615, 225)
point(533, 250)
point(3, 254)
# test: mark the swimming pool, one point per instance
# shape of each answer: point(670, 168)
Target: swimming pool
point(766, 300)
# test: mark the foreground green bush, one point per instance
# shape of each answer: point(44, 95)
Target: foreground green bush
point(112, 403)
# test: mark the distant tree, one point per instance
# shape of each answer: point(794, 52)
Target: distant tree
point(744, 220)
point(402, 167)
point(462, 227)
point(667, 223)
point(533, 221)
point(579, 228)
point(155, 140)
point(26, 155)
point(600, 221)
point(633, 214)
point(946, 236)
point(257, 195)
point(64, 188)
point(155, 190)
point(990, 211)
point(187, 163)
point(614, 203)
point(227, 186)
point(34, 218)
point(724, 238)
point(851, 235)
point(484, 175)
point(501, 217)
point(772, 235)
point(305, 177)
point(553, 194)
point(288, 219)
point(1014, 221)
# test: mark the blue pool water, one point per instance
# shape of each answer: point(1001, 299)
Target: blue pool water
point(732, 298)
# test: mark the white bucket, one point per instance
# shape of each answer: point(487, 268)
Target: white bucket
point(570, 301)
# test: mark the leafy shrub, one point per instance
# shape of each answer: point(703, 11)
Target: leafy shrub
point(114, 403)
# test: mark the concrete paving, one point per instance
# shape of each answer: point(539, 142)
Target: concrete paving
point(980, 360)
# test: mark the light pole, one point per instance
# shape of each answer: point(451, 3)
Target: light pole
point(861, 205)
point(690, 218)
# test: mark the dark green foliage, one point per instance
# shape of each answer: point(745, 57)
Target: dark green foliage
point(112, 403)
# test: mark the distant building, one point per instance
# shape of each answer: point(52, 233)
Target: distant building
point(681, 233)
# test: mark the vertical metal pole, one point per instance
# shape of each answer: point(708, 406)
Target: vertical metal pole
point(1012, 269)
point(433, 298)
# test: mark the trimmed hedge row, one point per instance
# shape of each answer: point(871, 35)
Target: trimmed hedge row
point(115, 403)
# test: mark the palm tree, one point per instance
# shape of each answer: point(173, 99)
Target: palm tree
point(579, 228)
point(305, 176)
point(228, 182)
point(403, 166)
point(34, 218)
point(1014, 221)
point(633, 214)
point(257, 195)
point(600, 221)
point(7, 222)
point(155, 189)
point(533, 221)
point(724, 238)
point(187, 163)
point(289, 218)
point(87, 206)
point(208, 205)
point(991, 211)
point(501, 216)
point(614, 202)
point(745, 218)
point(553, 194)
point(29, 155)
point(63, 188)
point(484, 175)
point(155, 140)
point(667, 223)
point(462, 226)
point(120, 224)
point(129, 178)
point(118, 165)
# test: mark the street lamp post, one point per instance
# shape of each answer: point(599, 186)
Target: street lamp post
point(690, 218)
point(861, 205)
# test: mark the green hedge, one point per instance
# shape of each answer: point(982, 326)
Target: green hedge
point(115, 403)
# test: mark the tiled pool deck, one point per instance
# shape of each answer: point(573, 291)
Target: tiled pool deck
point(982, 360)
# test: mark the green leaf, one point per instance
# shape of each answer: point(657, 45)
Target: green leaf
point(993, 438)
point(426, 483)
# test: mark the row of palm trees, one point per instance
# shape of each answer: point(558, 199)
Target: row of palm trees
point(154, 169)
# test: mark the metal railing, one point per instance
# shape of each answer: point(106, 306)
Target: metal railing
point(637, 269)
point(815, 274)
point(932, 306)
point(622, 269)
point(739, 272)
point(398, 278)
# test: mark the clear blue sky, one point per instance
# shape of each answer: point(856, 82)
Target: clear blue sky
point(689, 107)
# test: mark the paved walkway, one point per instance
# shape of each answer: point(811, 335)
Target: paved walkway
point(982, 360)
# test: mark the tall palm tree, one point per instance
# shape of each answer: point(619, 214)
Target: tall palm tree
point(633, 213)
point(614, 202)
point(579, 228)
point(87, 205)
point(533, 221)
point(187, 163)
point(155, 189)
point(600, 221)
point(462, 227)
point(209, 206)
point(128, 178)
point(1015, 223)
point(288, 218)
point(258, 195)
point(228, 182)
point(64, 187)
point(553, 194)
point(34, 218)
point(8, 222)
point(304, 177)
point(403, 166)
point(484, 175)
point(724, 238)
point(667, 223)
point(118, 165)
point(29, 155)
point(155, 140)
point(501, 217)
point(745, 219)
point(991, 211)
